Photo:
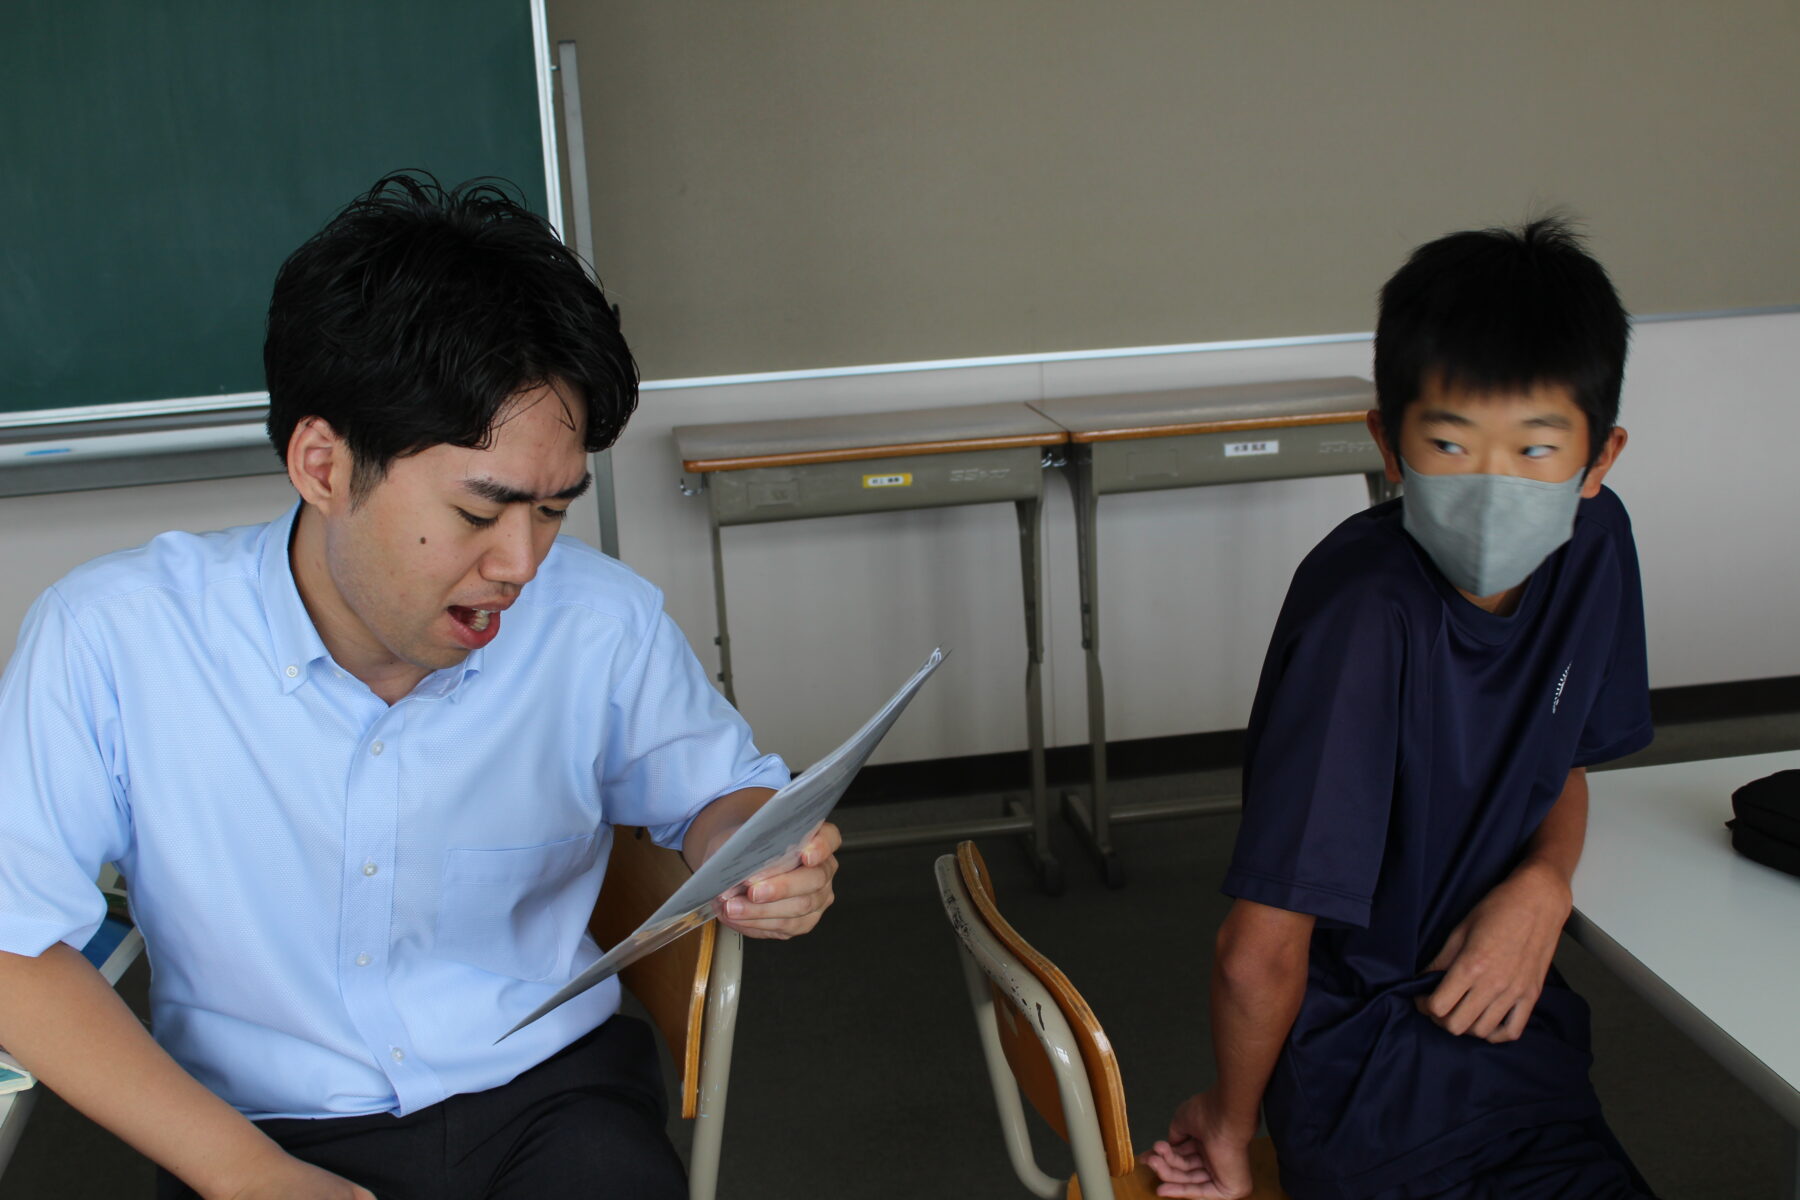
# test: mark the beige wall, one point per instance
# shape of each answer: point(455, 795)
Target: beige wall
point(807, 183)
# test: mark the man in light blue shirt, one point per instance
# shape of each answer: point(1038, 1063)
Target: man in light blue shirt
point(362, 778)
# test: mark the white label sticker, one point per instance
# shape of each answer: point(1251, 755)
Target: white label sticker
point(875, 481)
point(1241, 449)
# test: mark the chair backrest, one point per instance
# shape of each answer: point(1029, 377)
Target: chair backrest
point(671, 983)
point(1022, 1030)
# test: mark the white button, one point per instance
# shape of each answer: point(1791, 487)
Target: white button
point(370, 868)
point(337, 672)
point(292, 670)
point(363, 959)
point(376, 748)
point(399, 1054)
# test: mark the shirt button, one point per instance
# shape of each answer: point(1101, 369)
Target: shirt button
point(399, 1054)
point(292, 670)
point(337, 673)
point(370, 868)
point(376, 748)
point(363, 959)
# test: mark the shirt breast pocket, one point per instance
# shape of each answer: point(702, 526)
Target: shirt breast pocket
point(506, 911)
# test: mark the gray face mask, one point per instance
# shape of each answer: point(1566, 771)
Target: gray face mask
point(1486, 533)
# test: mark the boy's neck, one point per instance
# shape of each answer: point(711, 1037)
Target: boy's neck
point(1501, 604)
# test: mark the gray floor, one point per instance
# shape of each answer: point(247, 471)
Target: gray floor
point(857, 1072)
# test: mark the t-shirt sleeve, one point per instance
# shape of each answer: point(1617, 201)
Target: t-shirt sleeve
point(675, 744)
point(1319, 775)
point(1619, 721)
point(63, 808)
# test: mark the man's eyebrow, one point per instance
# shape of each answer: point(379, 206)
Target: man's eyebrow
point(499, 493)
point(1548, 421)
point(1443, 416)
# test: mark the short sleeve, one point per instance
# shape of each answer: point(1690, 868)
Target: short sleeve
point(63, 809)
point(1619, 721)
point(674, 744)
point(1320, 766)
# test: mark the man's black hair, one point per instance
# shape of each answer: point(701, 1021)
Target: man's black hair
point(1494, 310)
point(417, 313)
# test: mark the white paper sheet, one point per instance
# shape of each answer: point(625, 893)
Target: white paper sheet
point(768, 843)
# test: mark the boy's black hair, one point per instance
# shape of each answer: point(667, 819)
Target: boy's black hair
point(1496, 310)
point(412, 318)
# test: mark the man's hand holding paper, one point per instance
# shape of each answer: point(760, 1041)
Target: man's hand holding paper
point(780, 901)
point(786, 902)
point(772, 855)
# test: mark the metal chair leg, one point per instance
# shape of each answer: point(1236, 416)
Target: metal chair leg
point(1006, 1092)
point(715, 1063)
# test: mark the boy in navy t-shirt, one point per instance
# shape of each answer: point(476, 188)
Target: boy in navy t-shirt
point(1444, 670)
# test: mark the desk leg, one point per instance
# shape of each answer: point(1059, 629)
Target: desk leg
point(1793, 1179)
point(723, 641)
point(1379, 487)
point(1037, 841)
point(1092, 815)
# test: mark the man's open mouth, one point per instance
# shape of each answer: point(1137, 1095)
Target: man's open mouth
point(475, 618)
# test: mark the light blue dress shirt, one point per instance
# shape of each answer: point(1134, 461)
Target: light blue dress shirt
point(345, 903)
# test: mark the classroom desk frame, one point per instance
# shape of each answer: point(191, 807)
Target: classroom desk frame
point(807, 479)
point(1133, 443)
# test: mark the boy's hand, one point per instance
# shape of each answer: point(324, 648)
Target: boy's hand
point(1496, 960)
point(1204, 1159)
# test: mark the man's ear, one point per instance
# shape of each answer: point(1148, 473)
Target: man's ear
point(319, 465)
point(1389, 458)
point(1596, 475)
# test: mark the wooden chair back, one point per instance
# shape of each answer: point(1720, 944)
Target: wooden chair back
point(1031, 1066)
point(1036, 1078)
point(670, 983)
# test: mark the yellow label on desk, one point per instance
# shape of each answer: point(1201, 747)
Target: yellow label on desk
point(875, 481)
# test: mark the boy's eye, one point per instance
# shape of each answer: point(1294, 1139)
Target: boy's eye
point(1446, 447)
point(554, 514)
point(477, 522)
point(1539, 451)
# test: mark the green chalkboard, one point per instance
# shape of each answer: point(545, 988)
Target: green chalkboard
point(159, 159)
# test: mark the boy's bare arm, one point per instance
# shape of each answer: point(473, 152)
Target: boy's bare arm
point(1496, 960)
point(71, 1030)
point(1258, 981)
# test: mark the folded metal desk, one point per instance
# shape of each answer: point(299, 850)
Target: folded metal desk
point(1191, 437)
point(789, 470)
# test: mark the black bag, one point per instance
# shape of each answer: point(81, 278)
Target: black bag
point(1767, 828)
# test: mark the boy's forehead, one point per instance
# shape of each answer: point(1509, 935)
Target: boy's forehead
point(1538, 403)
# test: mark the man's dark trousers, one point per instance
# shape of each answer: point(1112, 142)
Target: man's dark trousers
point(586, 1122)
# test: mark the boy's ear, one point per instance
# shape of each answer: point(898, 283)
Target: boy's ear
point(318, 465)
point(1596, 475)
point(1389, 457)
